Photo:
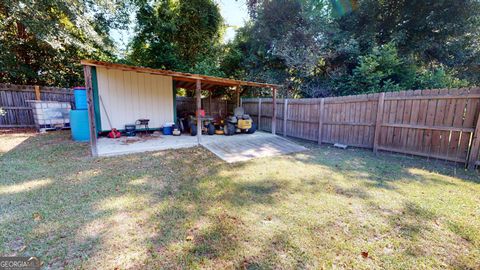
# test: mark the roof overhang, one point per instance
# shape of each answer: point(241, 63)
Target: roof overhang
point(183, 80)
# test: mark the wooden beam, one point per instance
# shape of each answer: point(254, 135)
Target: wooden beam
point(469, 96)
point(274, 110)
point(87, 71)
point(198, 96)
point(259, 117)
point(210, 111)
point(474, 151)
point(349, 124)
point(441, 128)
point(378, 122)
point(320, 120)
point(419, 153)
point(285, 116)
point(179, 76)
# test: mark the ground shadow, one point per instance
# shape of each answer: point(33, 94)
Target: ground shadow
point(384, 168)
point(186, 208)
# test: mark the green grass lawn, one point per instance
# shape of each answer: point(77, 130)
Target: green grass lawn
point(324, 208)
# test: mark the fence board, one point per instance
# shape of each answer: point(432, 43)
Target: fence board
point(18, 112)
point(437, 123)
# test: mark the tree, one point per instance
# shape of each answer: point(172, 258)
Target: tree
point(384, 70)
point(181, 35)
point(42, 42)
point(432, 33)
point(381, 71)
point(279, 46)
point(319, 48)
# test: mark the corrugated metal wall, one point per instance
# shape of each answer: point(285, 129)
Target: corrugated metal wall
point(129, 96)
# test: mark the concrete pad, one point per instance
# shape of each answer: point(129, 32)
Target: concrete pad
point(129, 145)
point(242, 147)
point(239, 147)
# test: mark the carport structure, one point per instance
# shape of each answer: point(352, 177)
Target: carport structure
point(100, 79)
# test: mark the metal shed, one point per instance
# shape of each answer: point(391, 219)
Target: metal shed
point(120, 94)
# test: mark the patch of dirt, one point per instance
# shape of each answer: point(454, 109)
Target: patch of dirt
point(17, 130)
point(139, 138)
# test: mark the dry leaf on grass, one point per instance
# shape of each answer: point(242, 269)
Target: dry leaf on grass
point(37, 216)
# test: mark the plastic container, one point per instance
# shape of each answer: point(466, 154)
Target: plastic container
point(130, 130)
point(168, 128)
point(80, 95)
point(79, 125)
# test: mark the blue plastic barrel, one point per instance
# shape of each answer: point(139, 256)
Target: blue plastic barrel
point(80, 95)
point(79, 125)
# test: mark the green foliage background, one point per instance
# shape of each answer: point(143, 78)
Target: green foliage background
point(313, 47)
point(323, 48)
point(42, 42)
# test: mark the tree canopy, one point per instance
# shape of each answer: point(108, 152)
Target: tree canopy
point(312, 47)
point(320, 48)
point(42, 42)
point(181, 35)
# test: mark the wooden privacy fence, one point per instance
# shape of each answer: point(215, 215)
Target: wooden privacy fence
point(442, 124)
point(18, 112)
point(212, 106)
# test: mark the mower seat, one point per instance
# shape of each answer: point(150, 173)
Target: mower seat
point(238, 112)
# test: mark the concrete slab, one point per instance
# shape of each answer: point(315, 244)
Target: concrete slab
point(129, 145)
point(240, 147)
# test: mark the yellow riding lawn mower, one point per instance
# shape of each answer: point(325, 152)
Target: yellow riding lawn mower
point(239, 122)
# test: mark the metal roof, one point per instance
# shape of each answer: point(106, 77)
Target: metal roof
point(182, 79)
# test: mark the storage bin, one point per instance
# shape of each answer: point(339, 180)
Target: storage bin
point(80, 95)
point(79, 125)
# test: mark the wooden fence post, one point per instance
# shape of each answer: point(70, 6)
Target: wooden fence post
point(320, 120)
point(472, 159)
point(378, 122)
point(274, 110)
point(37, 93)
point(259, 112)
point(285, 115)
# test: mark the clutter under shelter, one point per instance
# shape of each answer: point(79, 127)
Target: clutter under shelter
point(134, 104)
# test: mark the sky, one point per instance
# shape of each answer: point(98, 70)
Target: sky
point(234, 13)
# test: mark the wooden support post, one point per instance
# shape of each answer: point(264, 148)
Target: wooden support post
point(274, 110)
point(474, 151)
point(37, 93)
point(285, 116)
point(259, 112)
point(378, 122)
point(237, 93)
point(320, 120)
point(87, 71)
point(210, 111)
point(198, 96)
